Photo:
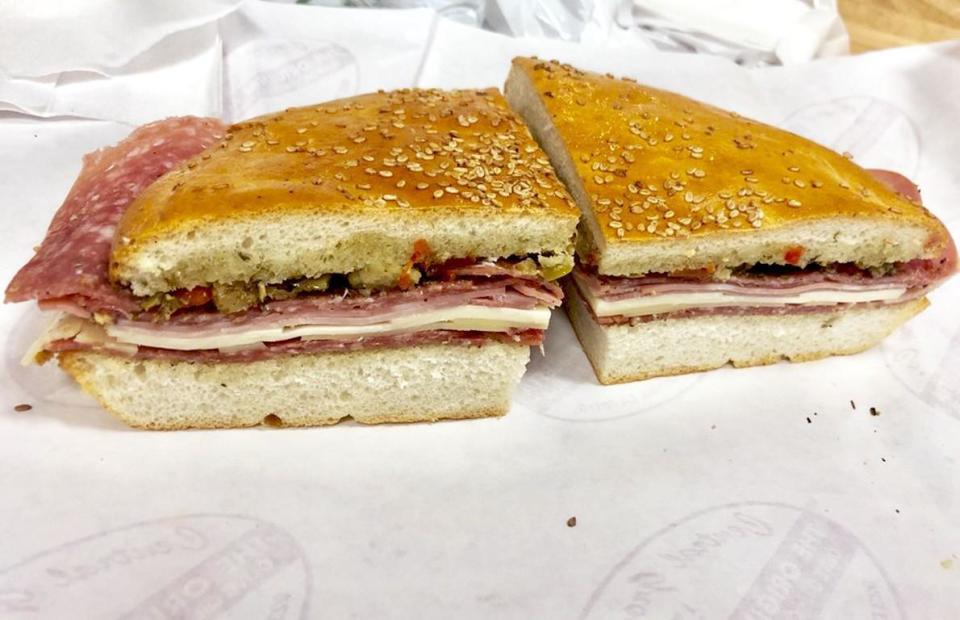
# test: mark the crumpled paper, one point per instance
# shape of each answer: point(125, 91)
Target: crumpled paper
point(826, 489)
point(750, 32)
point(100, 59)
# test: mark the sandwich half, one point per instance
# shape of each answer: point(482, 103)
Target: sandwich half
point(708, 238)
point(389, 258)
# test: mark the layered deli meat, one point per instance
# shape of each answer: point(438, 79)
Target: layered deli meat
point(762, 289)
point(462, 300)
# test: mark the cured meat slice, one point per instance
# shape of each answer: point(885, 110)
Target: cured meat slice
point(71, 263)
point(529, 337)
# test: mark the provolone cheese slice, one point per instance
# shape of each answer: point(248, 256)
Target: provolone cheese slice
point(673, 302)
point(465, 317)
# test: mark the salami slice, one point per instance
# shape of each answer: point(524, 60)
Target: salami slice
point(71, 263)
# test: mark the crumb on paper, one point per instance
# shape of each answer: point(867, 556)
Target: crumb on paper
point(809, 421)
point(874, 411)
point(572, 522)
point(22, 407)
point(853, 405)
point(946, 564)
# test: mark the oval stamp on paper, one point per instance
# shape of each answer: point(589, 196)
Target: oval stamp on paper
point(748, 561)
point(552, 380)
point(189, 567)
point(925, 357)
point(271, 74)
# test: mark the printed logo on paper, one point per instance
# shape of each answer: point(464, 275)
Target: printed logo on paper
point(198, 566)
point(748, 561)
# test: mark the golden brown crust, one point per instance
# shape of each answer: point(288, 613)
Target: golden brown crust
point(437, 152)
point(656, 164)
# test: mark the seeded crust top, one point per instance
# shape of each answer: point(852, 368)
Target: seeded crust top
point(437, 152)
point(657, 165)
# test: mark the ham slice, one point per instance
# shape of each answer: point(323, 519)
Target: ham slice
point(919, 275)
point(530, 337)
point(722, 310)
point(898, 183)
point(71, 264)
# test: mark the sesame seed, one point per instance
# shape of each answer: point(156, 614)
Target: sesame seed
point(794, 203)
point(785, 180)
point(423, 185)
point(248, 144)
point(751, 179)
point(438, 193)
point(816, 184)
point(385, 173)
point(746, 172)
point(451, 190)
point(301, 130)
point(598, 179)
point(292, 149)
point(794, 169)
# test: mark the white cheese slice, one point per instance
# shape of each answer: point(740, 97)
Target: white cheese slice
point(465, 317)
point(673, 302)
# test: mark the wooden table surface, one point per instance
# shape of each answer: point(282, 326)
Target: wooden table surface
point(877, 24)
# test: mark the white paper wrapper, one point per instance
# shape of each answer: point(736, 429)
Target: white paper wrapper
point(100, 59)
point(753, 493)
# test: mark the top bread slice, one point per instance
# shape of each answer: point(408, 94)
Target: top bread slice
point(666, 183)
point(353, 186)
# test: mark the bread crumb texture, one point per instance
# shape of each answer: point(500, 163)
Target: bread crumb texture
point(408, 384)
point(622, 353)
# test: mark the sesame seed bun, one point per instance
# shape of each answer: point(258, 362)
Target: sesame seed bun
point(666, 183)
point(348, 186)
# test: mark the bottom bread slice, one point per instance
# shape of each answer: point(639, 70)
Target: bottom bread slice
point(673, 346)
point(407, 384)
